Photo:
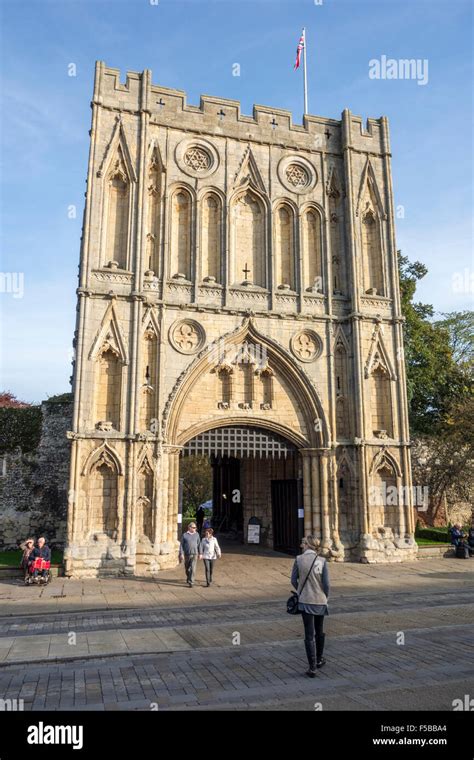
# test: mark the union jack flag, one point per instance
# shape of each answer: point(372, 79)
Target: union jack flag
point(298, 52)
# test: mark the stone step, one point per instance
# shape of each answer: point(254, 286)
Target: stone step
point(16, 572)
point(428, 552)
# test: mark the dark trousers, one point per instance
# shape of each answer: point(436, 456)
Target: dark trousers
point(208, 566)
point(190, 562)
point(313, 637)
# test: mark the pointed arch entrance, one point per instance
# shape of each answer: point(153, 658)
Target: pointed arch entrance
point(256, 474)
point(249, 388)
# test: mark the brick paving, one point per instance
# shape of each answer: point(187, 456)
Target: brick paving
point(143, 645)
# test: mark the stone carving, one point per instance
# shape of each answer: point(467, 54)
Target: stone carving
point(113, 277)
point(187, 336)
point(297, 175)
point(306, 345)
point(197, 158)
point(105, 425)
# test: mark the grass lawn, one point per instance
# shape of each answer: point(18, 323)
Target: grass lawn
point(430, 542)
point(13, 558)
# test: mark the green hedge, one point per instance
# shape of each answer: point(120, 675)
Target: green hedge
point(20, 427)
point(12, 557)
point(434, 534)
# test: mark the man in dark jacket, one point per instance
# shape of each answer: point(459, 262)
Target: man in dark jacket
point(190, 551)
point(200, 515)
point(41, 551)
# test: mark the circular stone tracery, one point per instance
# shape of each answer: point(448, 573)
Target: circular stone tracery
point(306, 345)
point(297, 175)
point(198, 159)
point(187, 336)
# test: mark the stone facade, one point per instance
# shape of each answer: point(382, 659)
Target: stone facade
point(33, 485)
point(210, 236)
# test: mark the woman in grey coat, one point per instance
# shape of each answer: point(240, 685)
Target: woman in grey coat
point(312, 599)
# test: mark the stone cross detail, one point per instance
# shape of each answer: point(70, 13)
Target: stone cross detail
point(246, 271)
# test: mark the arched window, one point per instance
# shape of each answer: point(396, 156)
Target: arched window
point(211, 238)
point(181, 235)
point(284, 247)
point(312, 251)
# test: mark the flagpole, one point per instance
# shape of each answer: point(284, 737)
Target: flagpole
point(304, 72)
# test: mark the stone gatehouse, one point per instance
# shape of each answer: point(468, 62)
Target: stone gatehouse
point(238, 298)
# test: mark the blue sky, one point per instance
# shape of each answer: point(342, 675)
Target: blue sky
point(192, 45)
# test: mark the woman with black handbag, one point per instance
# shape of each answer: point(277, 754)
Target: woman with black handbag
point(310, 578)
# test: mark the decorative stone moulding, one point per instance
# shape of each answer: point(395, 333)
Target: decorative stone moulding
point(197, 157)
point(187, 336)
point(306, 345)
point(297, 174)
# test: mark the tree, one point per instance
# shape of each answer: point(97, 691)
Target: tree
point(9, 401)
point(436, 355)
point(197, 482)
point(439, 358)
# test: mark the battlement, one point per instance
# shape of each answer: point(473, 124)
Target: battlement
point(223, 116)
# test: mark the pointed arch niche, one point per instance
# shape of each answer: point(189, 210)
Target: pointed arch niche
point(181, 221)
point(144, 505)
point(108, 386)
point(248, 239)
point(371, 212)
point(312, 273)
point(117, 211)
point(339, 277)
point(343, 420)
point(211, 237)
point(381, 402)
point(149, 378)
point(284, 246)
point(349, 526)
point(384, 508)
point(103, 494)
point(154, 211)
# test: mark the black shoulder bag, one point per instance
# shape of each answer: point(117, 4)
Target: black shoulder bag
point(292, 603)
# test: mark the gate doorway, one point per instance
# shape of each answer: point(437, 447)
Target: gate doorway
point(256, 473)
point(287, 528)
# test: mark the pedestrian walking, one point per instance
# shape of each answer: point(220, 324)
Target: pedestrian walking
point(310, 578)
point(190, 551)
point(210, 552)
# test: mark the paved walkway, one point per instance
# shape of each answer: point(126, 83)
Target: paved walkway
point(116, 644)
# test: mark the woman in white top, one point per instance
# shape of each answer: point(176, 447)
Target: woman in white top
point(211, 551)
